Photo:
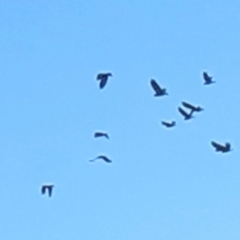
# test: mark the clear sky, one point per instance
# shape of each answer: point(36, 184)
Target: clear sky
point(163, 183)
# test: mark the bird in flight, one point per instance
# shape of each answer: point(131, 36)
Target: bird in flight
point(101, 134)
point(48, 188)
point(168, 124)
point(186, 115)
point(208, 80)
point(158, 90)
point(103, 78)
point(104, 158)
point(221, 148)
point(191, 107)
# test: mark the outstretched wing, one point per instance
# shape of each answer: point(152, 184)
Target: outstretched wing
point(185, 114)
point(155, 86)
point(206, 76)
point(218, 146)
point(50, 188)
point(103, 82)
point(188, 105)
point(165, 123)
point(43, 190)
point(106, 159)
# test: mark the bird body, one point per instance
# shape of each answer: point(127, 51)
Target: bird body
point(158, 90)
point(186, 115)
point(221, 148)
point(103, 78)
point(168, 124)
point(101, 134)
point(191, 107)
point(104, 158)
point(48, 188)
point(208, 80)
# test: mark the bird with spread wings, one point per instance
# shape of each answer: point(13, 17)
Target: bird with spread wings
point(158, 90)
point(103, 78)
point(221, 148)
point(47, 188)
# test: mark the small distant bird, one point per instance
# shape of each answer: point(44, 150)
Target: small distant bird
point(191, 107)
point(185, 114)
point(48, 188)
point(103, 77)
point(158, 90)
point(168, 124)
point(208, 80)
point(104, 158)
point(221, 148)
point(101, 134)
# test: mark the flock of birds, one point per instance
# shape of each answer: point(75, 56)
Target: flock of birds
point(188, 115)
point(103, 78)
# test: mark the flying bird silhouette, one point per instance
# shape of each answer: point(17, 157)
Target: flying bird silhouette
point(104, 158)
point(48, 188)
point(221, 148)
point(191, 107)
point(185, 114)
point(168, 124)
point(101, 134)
point(158, 90)
point(208, 80)
point(103, 78)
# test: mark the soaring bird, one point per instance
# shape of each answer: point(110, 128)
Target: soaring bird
point(104, 158)
point(191, 107)
point(168, 124)
point(221, 148)
point(101, 134)
point(48, 188)
point(158, 90)
point(185, 114)
point(103, 78)
point(208, 80)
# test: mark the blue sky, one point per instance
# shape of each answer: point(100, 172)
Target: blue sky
point(164, 183)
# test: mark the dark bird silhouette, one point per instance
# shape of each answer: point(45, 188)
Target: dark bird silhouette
point(221, 148)
point(48, 188)
point(168, 124)
point(104, 158)
point(185, 114)
point(158, 90)
point(103, 78)
point(101, 134)
point(208, 80)
point(191, 107)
